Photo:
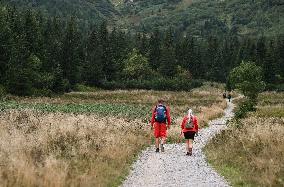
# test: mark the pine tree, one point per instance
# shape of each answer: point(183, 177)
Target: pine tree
point(260, 51)
point(52, 35)
point(5, 45)
point(107, 59)
point(186, 55)
point(168, 61)
point(119, 49)
point(59, 84)
point(70, 58)
point(280, 60)
point(155, 50)
point(32, 33)
point(213, 60)
point(268, 65)
point(142, 43)
point(93, 67)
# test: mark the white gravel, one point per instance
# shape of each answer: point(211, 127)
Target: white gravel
point(174, 168)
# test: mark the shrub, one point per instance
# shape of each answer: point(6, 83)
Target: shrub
point(280, 87)
point(275, 87)
point(20, 83)
point(2, 92)
point(155, 84)
point(245, 107)
point(84, 88)
point(247, 77)
point(42, 92)
point(136, 66)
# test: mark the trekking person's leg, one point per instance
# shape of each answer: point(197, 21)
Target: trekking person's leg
point(186, 137)
point(163, 134)
point(163, 140)
point(157, 135)
point(190, 145)
point(190, 142)
point(157, 142)
point(187, 145)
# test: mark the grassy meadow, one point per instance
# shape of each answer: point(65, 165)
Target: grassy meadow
point(87, 138)
point(250, 152)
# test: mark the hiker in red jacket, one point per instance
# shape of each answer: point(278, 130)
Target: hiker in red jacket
point(160, 121)
point(189, 128)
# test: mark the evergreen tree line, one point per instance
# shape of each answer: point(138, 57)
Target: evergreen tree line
point(41, 56)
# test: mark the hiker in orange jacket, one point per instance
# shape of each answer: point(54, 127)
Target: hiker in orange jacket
point(160, 122)
point(189, 127)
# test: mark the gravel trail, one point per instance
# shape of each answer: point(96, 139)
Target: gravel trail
point(174, 168)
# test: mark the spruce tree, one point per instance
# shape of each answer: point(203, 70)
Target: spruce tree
point(168, 61)
point(93, 67)
point(70, 53)
point(155, 50)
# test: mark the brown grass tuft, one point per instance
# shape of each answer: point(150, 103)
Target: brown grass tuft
point(252, 154)
point(53, 149)
point(66, 149)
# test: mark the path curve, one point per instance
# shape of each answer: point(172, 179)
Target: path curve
point(174, 168)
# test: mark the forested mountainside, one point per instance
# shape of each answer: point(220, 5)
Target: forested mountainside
point(88, 12)
point(42, 54)
point(196, 17)
point(203, 17)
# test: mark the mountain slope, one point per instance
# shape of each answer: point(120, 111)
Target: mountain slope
point(87, 11)
point(197, 17)
point(203, 17)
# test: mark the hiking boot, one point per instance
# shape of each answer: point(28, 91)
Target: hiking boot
point(157, 150)
point(162, 148)
point(187, 154)
point(190, 151)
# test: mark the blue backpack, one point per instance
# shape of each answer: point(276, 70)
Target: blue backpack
point(160, 113)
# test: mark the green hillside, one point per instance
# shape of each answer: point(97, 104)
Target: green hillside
point(203, 17)
point(197, 17)
point(87, 11)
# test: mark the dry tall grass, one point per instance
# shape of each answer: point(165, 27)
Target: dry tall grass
point(47, 149)
point(64, 149)
point(252, 154)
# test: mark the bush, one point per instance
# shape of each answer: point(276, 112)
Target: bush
point(275, 87)
point(2, 92)
point(280, 87)
point(247, 77)
point(20, 83)
point(245, 107)
point(155, 84)
point(42, 92)
point(84, 88)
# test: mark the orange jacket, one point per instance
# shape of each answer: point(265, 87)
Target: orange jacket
point(195, 124)
point(167, 115)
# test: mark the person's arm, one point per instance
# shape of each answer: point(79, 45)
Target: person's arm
point(196, 125)
point(153, 117)
point(182, 123)
point(168, 116)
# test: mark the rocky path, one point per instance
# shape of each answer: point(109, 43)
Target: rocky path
point(174, 168)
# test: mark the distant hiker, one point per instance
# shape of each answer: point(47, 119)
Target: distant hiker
point(160, 122)
point(189, 128)
point(229, 97)
point(224, 95)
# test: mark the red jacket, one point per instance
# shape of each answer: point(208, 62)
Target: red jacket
point(195, 124)
point(167, 115)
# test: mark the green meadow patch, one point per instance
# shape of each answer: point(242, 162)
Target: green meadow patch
point(111, 109)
